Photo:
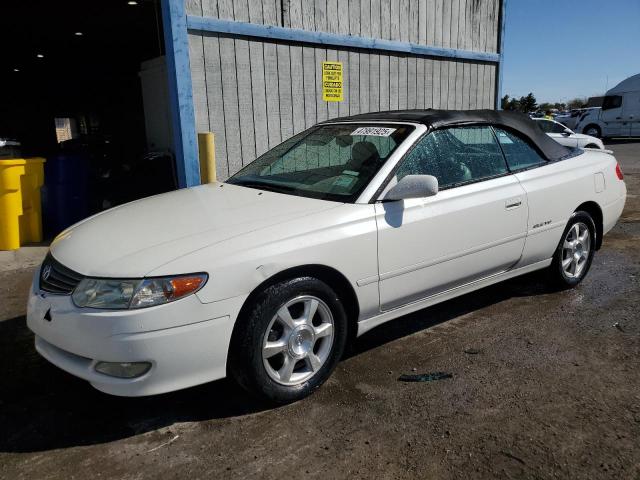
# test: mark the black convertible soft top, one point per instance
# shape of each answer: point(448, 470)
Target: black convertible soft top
point(433, 119)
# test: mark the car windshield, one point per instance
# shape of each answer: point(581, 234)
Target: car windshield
point(330, 162)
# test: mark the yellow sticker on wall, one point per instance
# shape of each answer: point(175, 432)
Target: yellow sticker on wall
point(332, 81)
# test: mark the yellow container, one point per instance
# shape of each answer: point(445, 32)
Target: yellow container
point(20, 206)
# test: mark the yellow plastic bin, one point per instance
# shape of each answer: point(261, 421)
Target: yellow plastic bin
point(20, 206)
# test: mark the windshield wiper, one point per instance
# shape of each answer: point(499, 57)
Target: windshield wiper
point(263, 186)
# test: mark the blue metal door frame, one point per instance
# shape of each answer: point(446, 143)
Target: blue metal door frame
point(177, 25)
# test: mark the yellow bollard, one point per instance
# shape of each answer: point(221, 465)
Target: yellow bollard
point(207, 153)
point(31, 219)
point(11, 172)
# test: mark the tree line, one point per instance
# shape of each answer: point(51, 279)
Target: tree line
point(528, 103)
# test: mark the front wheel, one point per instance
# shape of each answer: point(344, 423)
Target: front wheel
point(574, 254)
point(592, 131)
point(290, 340)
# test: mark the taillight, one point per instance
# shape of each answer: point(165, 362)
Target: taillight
point(619, 172)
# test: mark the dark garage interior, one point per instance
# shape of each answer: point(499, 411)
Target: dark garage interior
point(76, 78)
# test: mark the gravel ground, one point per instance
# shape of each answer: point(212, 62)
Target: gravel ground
point(544, 385)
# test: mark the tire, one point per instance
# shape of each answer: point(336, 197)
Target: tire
point(282, 358)
point(592, 130)
point(576, 249)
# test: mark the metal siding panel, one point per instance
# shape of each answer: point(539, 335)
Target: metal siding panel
point(354, 83)
point(459, 84)
point(332, 16)
point(343, 107)
point(451, 100)
point(354, 17)
point(198, 82)
point(466, 86)
point(321, 23)
point(245, 98)
point(394, 19)
point(363, 56)
point(437, 73)
point(374, 82)
point(384, 82)
point(446, 24)
point(420, 63)
point(298, 88)
point(455, 22)
point(193, 7)
point(258, 87)
point(404, 20)
point(431, 22)
point(438, 23)
point(428, 83)
point(385, 19)
point(322, 111)
point(422, 22)
point(444, 84)
point(309, 62)
point(473, 86)
point(489, 85)
point(364, 82)
point(412, 75)
point(271, 80)
point(375, 19)
point(230, 99)
point(393, 82)
point(215, 103)
point(272, 12)
point(284, 89)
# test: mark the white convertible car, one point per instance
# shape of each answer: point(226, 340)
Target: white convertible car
point(347, 225)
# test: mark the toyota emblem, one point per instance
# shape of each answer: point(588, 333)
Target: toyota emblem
point(46, 272)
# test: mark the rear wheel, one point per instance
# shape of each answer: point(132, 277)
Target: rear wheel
point(574, 254)
point(290, 341)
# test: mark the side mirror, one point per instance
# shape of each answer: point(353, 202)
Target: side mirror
point(413, 186)
point(567, 132)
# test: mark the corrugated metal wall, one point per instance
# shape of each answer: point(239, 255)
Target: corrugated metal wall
point(254, 94)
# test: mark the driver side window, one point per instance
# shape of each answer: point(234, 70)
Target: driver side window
point(455, 156)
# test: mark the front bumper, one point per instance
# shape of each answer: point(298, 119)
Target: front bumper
point(186, 341)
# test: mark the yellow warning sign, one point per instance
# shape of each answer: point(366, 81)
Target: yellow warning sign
point(332, 81)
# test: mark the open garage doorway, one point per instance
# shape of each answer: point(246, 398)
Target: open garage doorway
point(84, 85)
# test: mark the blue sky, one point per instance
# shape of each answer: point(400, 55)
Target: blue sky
point(561, 49)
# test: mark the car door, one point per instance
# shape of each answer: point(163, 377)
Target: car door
point(472, 228)
point(611, 116)
point(631, 112)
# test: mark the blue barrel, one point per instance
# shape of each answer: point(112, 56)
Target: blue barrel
point(65, 195)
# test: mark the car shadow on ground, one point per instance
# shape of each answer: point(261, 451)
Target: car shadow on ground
point(44, 408)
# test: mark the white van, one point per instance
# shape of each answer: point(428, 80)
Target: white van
point(619, 115)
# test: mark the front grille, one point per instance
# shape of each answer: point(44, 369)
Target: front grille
point(56, 278)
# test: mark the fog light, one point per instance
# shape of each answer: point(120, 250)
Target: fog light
point(123, 370)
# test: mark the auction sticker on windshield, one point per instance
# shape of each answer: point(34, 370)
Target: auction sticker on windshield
point(374, 131)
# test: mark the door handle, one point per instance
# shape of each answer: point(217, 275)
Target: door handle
point(513, 203)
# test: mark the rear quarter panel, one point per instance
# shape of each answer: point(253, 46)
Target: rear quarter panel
point(555, 191)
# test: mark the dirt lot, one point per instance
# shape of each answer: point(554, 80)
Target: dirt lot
point(545, 385)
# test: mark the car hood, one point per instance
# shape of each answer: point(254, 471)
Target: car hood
point(136, 238)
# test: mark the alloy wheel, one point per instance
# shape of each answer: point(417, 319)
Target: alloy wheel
point(298, 340)
point(575, 250)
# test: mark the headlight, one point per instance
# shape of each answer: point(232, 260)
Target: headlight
point(135, 293)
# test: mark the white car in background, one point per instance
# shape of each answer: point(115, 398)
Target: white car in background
point(567, 137)
point(350, 224)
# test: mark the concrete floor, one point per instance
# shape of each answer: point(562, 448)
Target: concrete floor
point(545, 385)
